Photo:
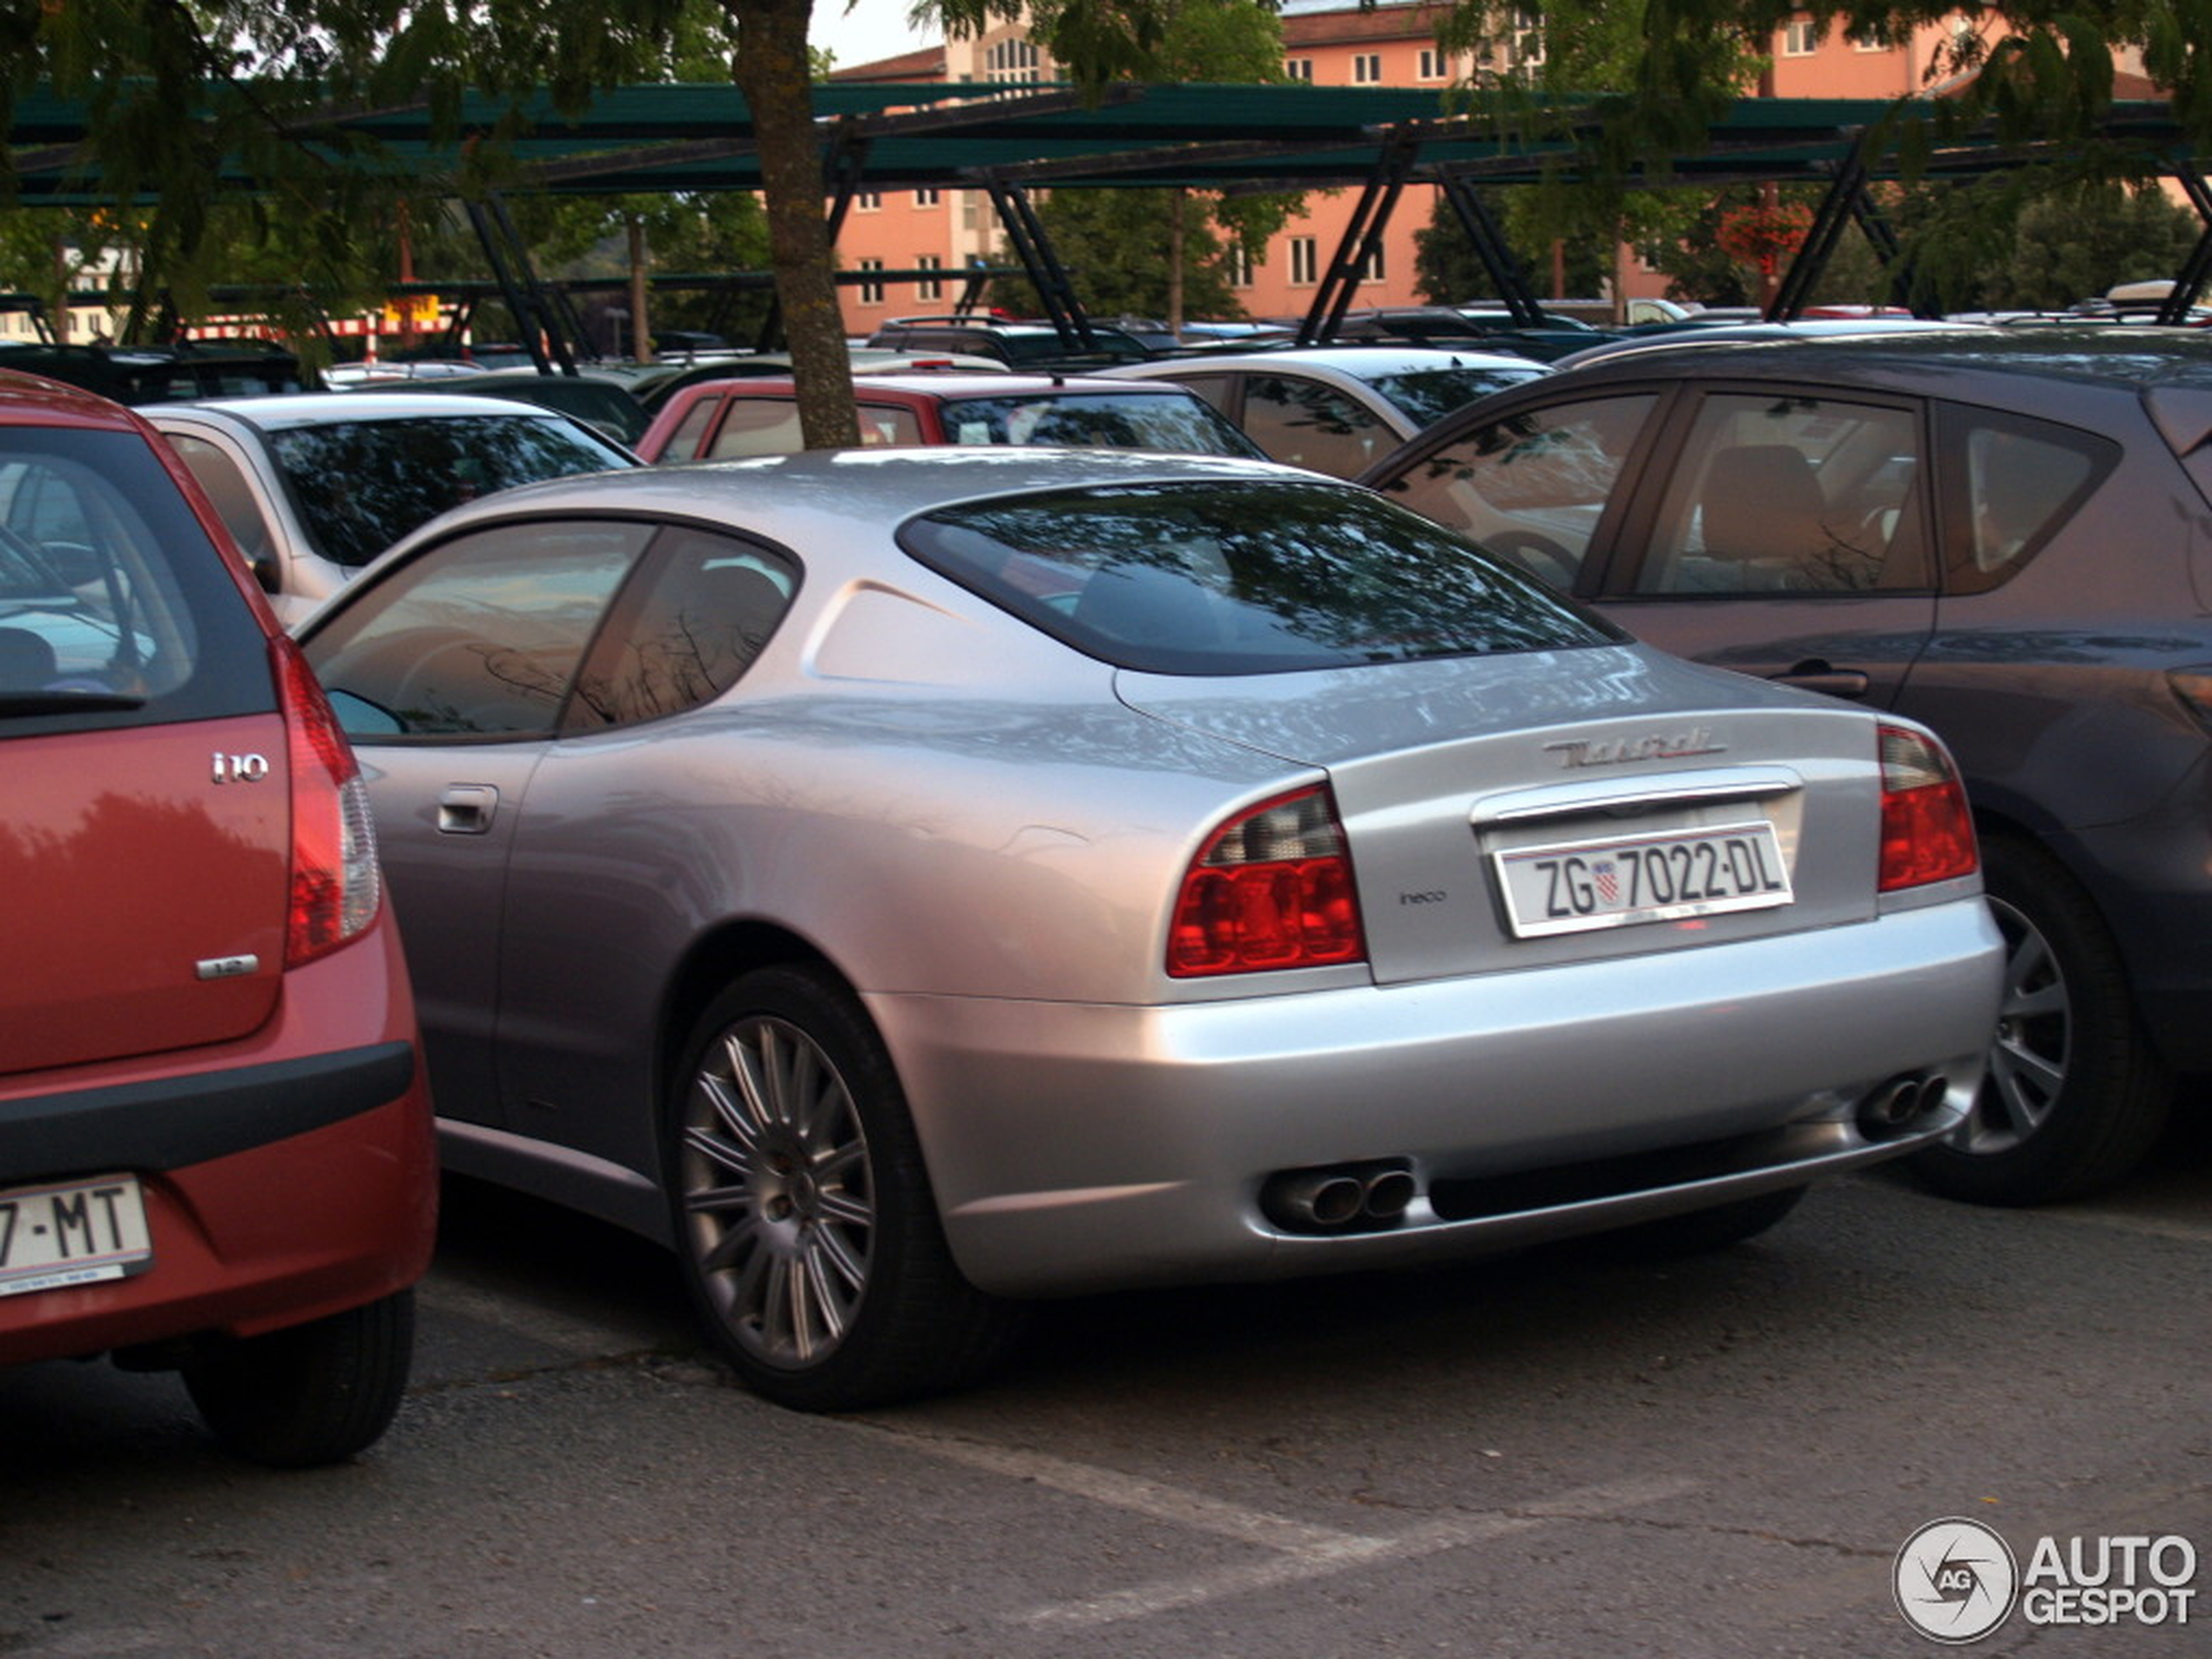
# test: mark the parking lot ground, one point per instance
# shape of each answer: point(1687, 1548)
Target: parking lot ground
point(1567, 1452)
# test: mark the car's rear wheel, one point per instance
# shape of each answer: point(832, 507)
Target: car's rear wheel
point(804, 1222)
point(313, 1394)
point(2074, 1096)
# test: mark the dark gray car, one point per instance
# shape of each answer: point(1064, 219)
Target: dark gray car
point(2005, 536)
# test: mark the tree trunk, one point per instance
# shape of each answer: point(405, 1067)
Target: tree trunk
point(641, 329)
point(1176, 235)
point(773, 73)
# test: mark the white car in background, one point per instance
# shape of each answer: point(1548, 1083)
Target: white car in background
point(1338, 409)
point(314, 485)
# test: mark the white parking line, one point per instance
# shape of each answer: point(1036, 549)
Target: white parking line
point(1298, 1550)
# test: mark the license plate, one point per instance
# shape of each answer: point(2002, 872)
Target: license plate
point(1574, 885)
point(79, 1233)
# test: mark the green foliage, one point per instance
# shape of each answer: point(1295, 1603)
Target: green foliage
point(1116, 241)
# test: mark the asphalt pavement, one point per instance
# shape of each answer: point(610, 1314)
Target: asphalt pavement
point(1566, 1452)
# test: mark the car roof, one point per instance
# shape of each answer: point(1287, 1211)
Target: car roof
point(1670, 336)
point(1356, 362)
point(784, 496)
point(320, 409)
point(2121, 357)
point(32, 399)
point(941, 384)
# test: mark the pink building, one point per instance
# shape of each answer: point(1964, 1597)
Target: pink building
point(1325, 44)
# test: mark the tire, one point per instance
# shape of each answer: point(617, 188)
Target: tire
point(804, 1224)
point(2074, 1097)
point(316, 1394)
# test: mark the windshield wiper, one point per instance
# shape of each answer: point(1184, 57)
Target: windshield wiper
point(13, 703)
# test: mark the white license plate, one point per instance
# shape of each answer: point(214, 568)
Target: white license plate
point(78, 1233)
point(1572, 885)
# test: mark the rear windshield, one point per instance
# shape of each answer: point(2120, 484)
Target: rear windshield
point(1097, 421)
point(1215, 578)
point(116, 609)
point(360, 485)
point(1431, 393)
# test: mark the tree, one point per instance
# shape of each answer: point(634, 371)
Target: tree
point(261, 75)
point(1159, 253)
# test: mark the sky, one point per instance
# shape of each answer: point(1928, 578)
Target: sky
point(867, 31)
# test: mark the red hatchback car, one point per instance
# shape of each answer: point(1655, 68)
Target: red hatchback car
point(759, 415)
point(215, 1143)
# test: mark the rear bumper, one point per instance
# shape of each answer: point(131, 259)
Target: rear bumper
point(1076, 1148)
point(283, 1182)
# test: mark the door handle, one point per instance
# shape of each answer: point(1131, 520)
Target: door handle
point(466, 809)
point(1817, 676)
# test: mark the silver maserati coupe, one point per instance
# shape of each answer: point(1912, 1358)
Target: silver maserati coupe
point(908, 884)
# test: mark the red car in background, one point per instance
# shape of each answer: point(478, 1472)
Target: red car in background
point(759, 415)
point(215, 1143)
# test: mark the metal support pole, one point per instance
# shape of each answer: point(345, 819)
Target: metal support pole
point(1362, 239)
point(1034, 248)
point(1481, 229)
point(2198, 269)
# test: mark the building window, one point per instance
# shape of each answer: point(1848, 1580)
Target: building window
point(1799, 37)
point(1371, 268)
point(1434, 65)
point(1237, 267)
point(1299, 69)
point(928, 197)
point(1876, 40)
point(929, 287)
point(1366, 69)
point(867, 201)
point(1013, 60)
point(1306, 264)
point(871, 292)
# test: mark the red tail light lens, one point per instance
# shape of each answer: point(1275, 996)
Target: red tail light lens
point(336, 885)
point(1272, 889)
point(1927, 833)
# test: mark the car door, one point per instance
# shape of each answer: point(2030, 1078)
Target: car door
point(1787, 532)
point(450, 673)
point(1535, 482)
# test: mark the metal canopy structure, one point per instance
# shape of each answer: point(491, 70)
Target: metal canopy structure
point(1005, 141)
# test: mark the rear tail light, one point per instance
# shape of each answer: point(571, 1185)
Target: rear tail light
point(1927, 833)
point(1272, 889)
point(335, 884)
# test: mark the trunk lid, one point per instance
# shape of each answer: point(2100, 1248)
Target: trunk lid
point(147, 901)
point(1518, 811)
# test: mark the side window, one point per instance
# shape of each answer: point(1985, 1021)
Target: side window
point(1775, 491)
point(1312, 425)
point(684, 443)
point(1532, 488)
point(890, 424)
point(480, 637)
point(1214, 389)
point(227, 486)
point(759, 426)
point(2010, 483)
point(692, 622)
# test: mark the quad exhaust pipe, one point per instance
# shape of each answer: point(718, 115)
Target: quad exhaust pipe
point(1898, 1104)
point(1338, 1198)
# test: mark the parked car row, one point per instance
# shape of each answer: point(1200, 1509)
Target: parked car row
point(912, 882)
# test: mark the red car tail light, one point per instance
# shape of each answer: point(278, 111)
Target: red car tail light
point(336, 885)
point(1272, 889)
point(1927, 833)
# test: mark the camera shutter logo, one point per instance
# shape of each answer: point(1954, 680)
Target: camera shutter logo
point(1955, 1580)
